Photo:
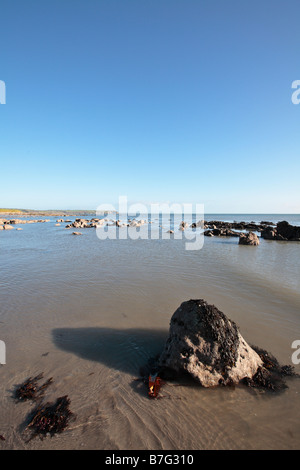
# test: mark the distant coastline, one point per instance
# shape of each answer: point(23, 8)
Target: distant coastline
point(47, 213)
point(82, 212)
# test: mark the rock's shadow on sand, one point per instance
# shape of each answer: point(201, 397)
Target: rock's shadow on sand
point(132, 350)
point(125, 350)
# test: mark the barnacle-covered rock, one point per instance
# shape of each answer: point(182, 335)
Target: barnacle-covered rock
point(209, 346)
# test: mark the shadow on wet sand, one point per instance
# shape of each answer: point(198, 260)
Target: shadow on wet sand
point(125, 350)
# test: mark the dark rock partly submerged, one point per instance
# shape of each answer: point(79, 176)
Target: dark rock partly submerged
point(269, 231)
point(206, 344)
point(249, 239)
point(283, 231)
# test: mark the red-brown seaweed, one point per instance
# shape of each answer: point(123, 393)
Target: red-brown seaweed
point(50, 418)
point(271, 376)
point(30, 390)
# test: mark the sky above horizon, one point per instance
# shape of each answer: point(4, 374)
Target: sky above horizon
point(161, 101)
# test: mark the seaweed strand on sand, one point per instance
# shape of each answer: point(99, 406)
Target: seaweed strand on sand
point(30, 390)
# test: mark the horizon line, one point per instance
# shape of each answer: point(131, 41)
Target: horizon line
point(4, 210)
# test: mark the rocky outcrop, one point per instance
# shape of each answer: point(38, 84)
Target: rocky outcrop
point(221, 232)
point(283, 231)
point(136, 223)
point(97, 223)
point(198, 224)
point(86, 223)
point(213, 224)
point(83, 223)
point(269, 233)
point(21, 221)
point(268, 230)
point(287, 231)
point(248, 239)
point(264, 222)
point(205, 343)
point(183, 225)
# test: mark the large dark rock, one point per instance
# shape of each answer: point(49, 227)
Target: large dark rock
point(283, 231)
point(287, 231)
point(209, 346)
point(269, 233)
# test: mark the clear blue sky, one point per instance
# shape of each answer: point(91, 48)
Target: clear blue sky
point(158, 100)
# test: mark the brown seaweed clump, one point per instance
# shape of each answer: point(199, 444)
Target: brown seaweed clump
point(271, 376)
point(30, 390)
point(47, 418)
point(50, 418)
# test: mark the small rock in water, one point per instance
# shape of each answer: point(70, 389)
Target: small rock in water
point(249, 239)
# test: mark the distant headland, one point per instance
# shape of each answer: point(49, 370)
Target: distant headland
point(46, 213)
